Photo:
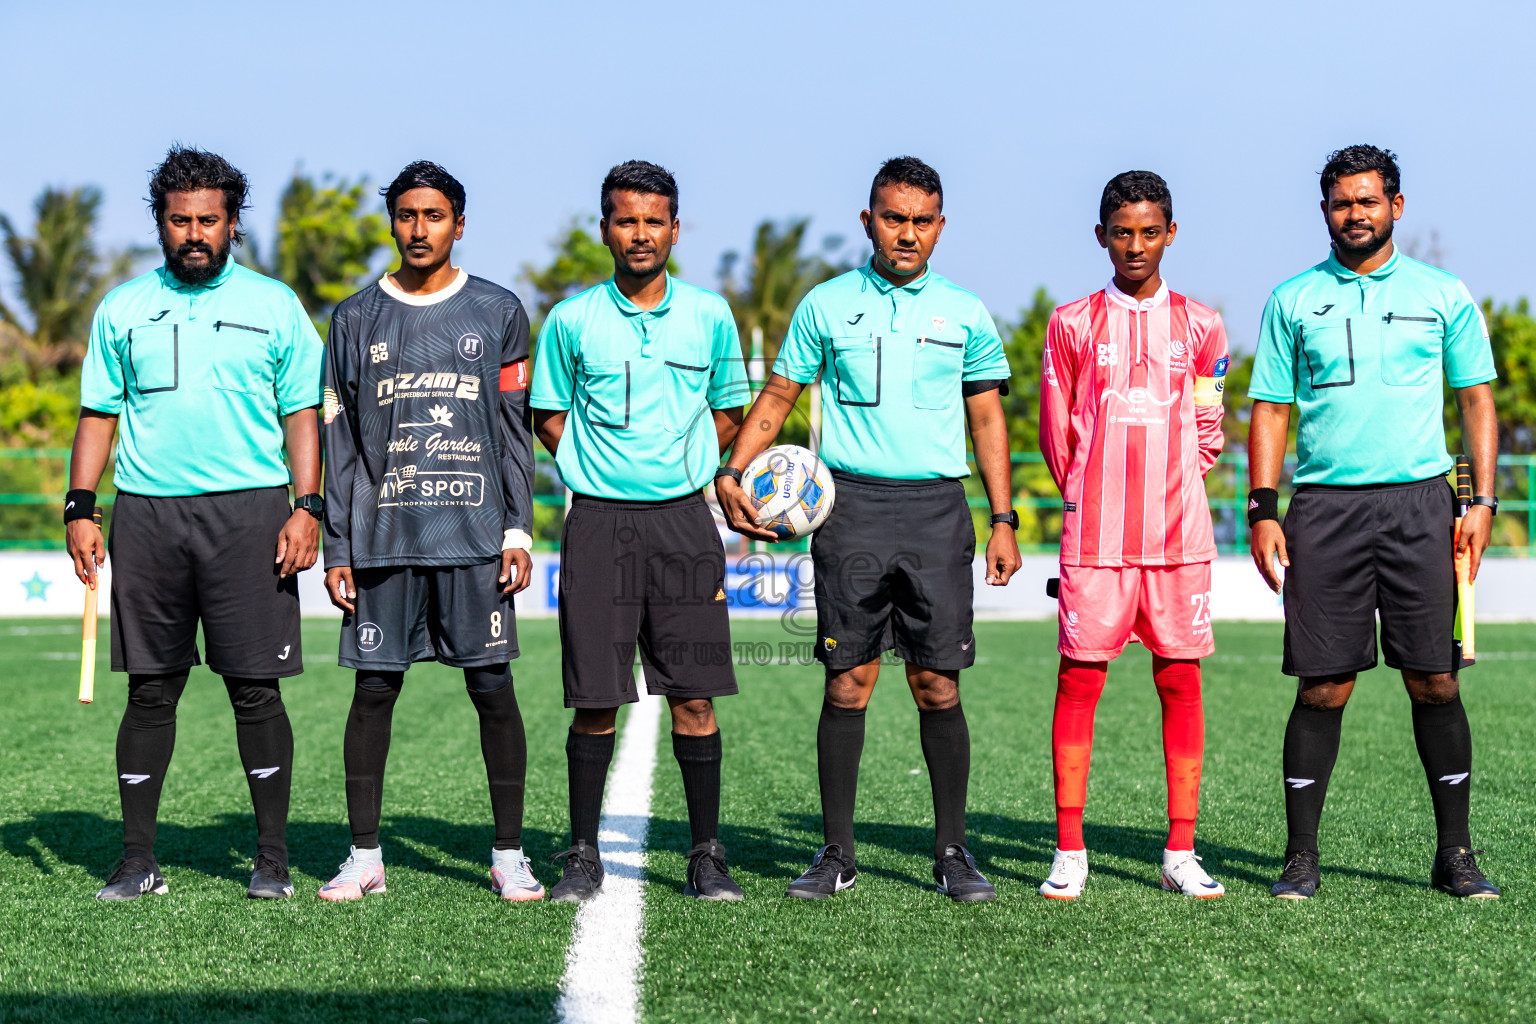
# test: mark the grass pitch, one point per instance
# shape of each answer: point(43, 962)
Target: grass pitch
point(1376, 945)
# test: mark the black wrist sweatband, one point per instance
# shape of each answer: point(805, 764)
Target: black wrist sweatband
point(1263, 503)
point(79, 503)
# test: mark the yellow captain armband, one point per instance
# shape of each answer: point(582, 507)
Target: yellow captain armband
point(1208, 390)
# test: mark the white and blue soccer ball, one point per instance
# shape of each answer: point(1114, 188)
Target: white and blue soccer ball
point(791, 488)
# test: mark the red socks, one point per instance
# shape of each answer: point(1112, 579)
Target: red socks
point(1078, 686)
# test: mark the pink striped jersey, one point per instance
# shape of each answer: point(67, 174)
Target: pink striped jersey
point(1130, 423)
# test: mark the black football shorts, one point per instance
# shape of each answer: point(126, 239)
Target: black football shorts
point(893, 572)
point(1359, 551)
point(456, 615)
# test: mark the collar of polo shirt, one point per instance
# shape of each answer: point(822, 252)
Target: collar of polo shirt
point(1121, 299)
point(630, 309)
point(1343, 273)
point(394, 291)
point(173, 282)
point(917, 284)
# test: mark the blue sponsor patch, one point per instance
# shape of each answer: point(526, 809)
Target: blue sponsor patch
point(1221, 367)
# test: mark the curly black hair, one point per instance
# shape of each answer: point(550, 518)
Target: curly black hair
point(189, 169)
point(424, 174)
point(907, 170)
point(1351, 160)
point(1135, 187)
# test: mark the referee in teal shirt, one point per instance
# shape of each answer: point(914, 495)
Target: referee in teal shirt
point(907, 361)
point(207, 372)
point(638, 386)
point(1363, 344)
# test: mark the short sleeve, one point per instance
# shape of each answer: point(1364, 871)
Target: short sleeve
point(101, 375)
point(804, 347)
point(1468, 353)
point(1274, 361)
point(553, 369)
point(1211, 355)
point(301, 361)
point(728, 386)
point(984, 357)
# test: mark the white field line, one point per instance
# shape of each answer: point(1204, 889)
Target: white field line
point(602, 966)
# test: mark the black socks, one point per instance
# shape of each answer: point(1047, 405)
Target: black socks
point(839, 746)
point(145, 738)
point(947, 750)
point(365, 748)
point(1311, 747)
point(1444, 739)
point(587, 758)
point(505, 747)
point(699, 759)
point(265, 737)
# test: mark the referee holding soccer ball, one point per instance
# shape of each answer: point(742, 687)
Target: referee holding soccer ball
point(1361, 344)
point(208, 372)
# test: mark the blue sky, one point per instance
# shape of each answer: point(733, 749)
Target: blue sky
point(787, 109)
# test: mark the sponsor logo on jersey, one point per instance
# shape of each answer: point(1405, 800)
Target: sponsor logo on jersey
point(441, 417)
point(470, 346)
point(450, 449)
point(429, 384)
point(411, 485)
point(1050, 368)
point(1221, 367)
point(1178, 349)
point(369, 636)
point(719, 593)
point(332, 404)
point(514, 376)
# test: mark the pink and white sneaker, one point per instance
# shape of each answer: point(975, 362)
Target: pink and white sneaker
point(360, 874)
point(512, 876)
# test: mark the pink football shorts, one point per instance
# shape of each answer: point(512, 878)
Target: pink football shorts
point(1165, 608)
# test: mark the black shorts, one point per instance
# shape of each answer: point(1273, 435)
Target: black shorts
point(208, 558)
point(454, 614)
point(893, 572)
point(646, 572)
point(1355, 551)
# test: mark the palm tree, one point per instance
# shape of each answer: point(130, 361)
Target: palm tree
point(61, 276)
point(777, 277)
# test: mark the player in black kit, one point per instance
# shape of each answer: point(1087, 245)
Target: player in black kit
point(428, 482)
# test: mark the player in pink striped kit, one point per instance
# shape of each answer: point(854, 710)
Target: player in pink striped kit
point(1130, 423)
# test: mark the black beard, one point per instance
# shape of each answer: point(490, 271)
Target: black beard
point(1365, 249)
point(196, 274)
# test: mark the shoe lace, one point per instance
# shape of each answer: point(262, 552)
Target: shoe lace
point(351, 870)
point(272, 866)
point(577, 858)
point(1459, 862)
point(829, 862)
point(130, 866)
point(1299, 867)
point(710, 854)
point(958, 863)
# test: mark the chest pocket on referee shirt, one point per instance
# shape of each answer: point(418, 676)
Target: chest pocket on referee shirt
point(856, 366)
point(687, 380)
point(154, 357)
point(242, 360)
point(1328, 354)
point(936, 372)
point(607, 386)
point(1410, 349)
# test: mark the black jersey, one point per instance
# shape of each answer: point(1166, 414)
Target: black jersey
point(428, 434)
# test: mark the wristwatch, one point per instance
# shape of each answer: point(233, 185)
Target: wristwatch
point(734, 474)
point(314, 504)
point(1011, 517)
point(1492, 504)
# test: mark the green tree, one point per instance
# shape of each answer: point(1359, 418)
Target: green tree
point(61, 277)
point(581, 260)
point(777, 276)
point(329, 237)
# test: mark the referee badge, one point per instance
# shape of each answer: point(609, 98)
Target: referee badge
point(938, 325)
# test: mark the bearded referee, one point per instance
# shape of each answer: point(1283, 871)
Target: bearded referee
point(1360, 344)
point(208, 372)
point(637, 389)
point(907, 360)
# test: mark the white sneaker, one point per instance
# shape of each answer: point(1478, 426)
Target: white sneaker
point(1182, 873)
point(1068, 873)
point(512, 876)
point(361, 873)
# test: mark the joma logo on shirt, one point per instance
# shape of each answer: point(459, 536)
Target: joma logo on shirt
point(464, 386)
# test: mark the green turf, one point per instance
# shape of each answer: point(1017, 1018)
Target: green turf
point(438, 946)
point(1376, 945)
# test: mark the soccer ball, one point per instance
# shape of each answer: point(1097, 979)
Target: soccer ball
point(792, 487)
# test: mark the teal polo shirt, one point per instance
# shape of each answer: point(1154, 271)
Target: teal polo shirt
point(639, 386)
point(1364, 357)
point(893, 360)
point(200, 378)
